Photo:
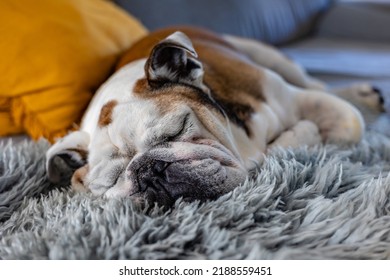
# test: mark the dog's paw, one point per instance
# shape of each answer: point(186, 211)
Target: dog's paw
point(367, 98)
point(303, 133)
point(363, 95)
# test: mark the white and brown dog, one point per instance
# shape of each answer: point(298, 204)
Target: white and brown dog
point(189, 115)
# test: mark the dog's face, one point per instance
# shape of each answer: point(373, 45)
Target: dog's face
point(156, 136)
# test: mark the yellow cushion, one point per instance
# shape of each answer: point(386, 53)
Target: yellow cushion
point(54, 55)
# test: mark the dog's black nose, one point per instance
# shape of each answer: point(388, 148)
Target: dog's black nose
point(150, 175)
point(159, 167)
point(149, 179)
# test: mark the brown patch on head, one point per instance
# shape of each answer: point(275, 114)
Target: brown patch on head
point(235, 83)
point(105, 117)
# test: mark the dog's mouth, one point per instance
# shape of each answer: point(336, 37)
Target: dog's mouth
point(183, 170)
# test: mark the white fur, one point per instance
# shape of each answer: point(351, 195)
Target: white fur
point(118, 87)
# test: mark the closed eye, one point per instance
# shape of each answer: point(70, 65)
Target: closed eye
point(166, 137)
point(173, 136)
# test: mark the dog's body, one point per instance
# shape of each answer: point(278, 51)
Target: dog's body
point(190, 116)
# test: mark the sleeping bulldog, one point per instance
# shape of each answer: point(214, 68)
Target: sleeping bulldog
point(189, 113)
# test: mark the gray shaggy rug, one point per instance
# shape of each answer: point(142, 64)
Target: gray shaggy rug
point(318, 203)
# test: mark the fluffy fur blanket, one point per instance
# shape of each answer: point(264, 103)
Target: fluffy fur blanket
point(317, 203)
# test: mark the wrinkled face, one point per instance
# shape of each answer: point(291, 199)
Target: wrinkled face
point(161, 153)
point(156, 138)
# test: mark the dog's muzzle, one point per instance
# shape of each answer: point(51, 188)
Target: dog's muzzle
point(187, 170)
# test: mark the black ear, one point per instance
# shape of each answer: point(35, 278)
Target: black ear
point(173, 60)
point(66, 156)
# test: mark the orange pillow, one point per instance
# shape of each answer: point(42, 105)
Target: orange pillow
point(54, 55)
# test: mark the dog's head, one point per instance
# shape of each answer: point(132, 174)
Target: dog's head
point(157, 134)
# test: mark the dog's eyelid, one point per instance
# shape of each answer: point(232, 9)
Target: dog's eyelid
point(173, 136)
point(180, 131)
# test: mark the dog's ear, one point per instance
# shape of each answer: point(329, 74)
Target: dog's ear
point(174, 60)
point(66, 156)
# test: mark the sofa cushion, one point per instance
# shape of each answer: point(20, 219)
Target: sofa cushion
point(54, 54)
point(366, 22)
point(342, 57)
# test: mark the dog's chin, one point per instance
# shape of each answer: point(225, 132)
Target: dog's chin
point(187, 171)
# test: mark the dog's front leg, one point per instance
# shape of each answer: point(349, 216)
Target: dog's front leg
point(338, 121)
point(304, 133)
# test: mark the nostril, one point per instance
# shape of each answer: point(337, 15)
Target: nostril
point(159, 166)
